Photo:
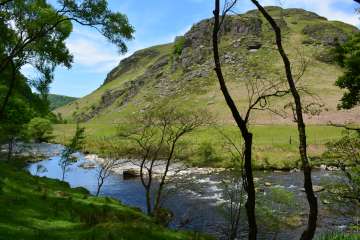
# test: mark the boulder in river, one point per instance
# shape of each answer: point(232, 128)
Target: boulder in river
point(130, 173)
point(316, 188)
point(88, 165)
point(267, 184)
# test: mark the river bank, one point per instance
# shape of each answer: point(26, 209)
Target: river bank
point(199, 199)
point(39, 208)
point(275, 146)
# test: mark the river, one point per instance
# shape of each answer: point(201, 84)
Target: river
point(200, 199)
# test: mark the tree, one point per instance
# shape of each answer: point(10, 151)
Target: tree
point(348, 57)
point(259, 90)
point(346, 154)
point(311, 227)
point(13, 126)
point(108, 164)
point(241, 123)
point(75, 144)
point(34, 32)
point(40, 129)
point(155, 138)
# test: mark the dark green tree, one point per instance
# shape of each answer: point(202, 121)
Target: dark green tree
point(13, 126)
point(348, 57)
point(34, 32)
point(40, 129)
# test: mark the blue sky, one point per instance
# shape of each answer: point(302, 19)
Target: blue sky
point(157, 22)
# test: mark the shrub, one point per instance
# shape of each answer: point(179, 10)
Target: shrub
point(208, 153)
point(40, 129)
point(179, 45)
point(339, 236)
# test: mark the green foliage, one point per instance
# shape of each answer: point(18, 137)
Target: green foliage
point(339, 236)
point(34, 33)
point(179, 45)
point(208, 153)
point(348, 57)
point(73, 146)
point(57, 101)
point(13, 125)
point(345, 152)
point(40, 129)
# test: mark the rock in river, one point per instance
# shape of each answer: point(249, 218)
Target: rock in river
point(88, 165)
point(316, 188)
point(130, 173)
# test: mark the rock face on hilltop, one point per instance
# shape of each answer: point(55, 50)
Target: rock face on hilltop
point(182, 71)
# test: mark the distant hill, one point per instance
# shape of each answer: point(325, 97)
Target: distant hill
point(182, 72)
point(57, 101)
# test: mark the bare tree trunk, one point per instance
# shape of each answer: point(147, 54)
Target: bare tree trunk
point(242, 125)
point(148, 200)
point(10, 90)
point(100, 184)
point(311, 227)
point(10, 148)
point(162, 182)
point(63, 173)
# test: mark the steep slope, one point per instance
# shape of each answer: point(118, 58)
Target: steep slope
point(181, 72)
point(57, 101)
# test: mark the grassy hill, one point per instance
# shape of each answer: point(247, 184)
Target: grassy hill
point(57, 101)
point(182, 74)
point(42, 209)
point(182, 71)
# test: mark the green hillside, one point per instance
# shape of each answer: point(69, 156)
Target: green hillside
point(182, 73)
point(40, 208)
point(57, 101)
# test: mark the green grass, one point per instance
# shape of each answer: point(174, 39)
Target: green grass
point(339, 236)
point(272, 148)
point(34, 208)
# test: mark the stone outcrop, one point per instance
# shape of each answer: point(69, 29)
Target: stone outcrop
point(130, 63)
point(326, 33)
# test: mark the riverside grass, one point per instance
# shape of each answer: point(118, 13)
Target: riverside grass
point(35, 208)
point(276, 146)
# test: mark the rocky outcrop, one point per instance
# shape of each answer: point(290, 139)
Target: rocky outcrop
point(129, 90)
point(325, 33)
point(130, 63)
point(200, 34)
point(301, 14)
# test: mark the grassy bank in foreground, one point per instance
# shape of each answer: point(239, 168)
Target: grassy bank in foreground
point(41, 209)
point(275, 146)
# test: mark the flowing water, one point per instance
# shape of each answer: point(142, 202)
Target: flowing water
point(197, 204)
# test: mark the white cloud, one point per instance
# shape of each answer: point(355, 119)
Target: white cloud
point(91, 51)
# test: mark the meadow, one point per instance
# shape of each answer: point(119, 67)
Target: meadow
point(275, 146)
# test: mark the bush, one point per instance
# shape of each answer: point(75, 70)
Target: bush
point(208, 153)
point(179, 45)
point(339, 236)
point(40, 129)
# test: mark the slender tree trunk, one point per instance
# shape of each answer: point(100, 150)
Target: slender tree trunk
point(163, 179)
point(99, 186)
point(10, 90)
point(10, 148)
point(250, 188)
point(148, 200)
point(63, 173)
point(311, 227)
point(242, 125)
